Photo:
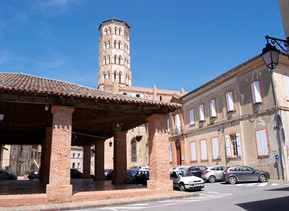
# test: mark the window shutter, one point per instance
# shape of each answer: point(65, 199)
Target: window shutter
point(201, 111)
point(238, 144)
point(230, 101)
point(192, 117)
point(256, 93)
point(193, 151)
point(204, 150)
point(228, 149)
point(262, 143)
point(215, 147)
point(178, 123)
point(286, 86)
point(213, 108)
point(168, 125)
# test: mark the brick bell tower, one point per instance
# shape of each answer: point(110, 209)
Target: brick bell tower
point(114, 54)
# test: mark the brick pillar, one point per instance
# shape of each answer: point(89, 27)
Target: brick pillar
point(59, 188)
point(86, 161)
point(159, 154)
point(119, 158)
point(45, 155)
point(99, 161)
point(174, 152)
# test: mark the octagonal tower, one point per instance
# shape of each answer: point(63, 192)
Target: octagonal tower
point(114, 54)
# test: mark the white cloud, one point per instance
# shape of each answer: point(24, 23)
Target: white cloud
point(56, 3)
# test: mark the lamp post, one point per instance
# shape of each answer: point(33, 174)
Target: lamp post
point(270, 55)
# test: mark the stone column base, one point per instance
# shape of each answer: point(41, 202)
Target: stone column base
point(59, 193)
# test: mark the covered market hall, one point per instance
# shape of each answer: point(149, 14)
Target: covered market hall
point(57, 115)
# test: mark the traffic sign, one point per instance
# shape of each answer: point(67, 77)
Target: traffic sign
point(276, 157)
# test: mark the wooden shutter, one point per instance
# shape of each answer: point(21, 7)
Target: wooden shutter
point(238, 144)
point(256, 93)
point(228, 146)
point(193, 152)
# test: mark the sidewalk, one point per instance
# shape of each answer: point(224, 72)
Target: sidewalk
point(104, 203)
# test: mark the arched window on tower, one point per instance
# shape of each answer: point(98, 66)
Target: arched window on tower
point(120, 30)
point(133, 150)
point(108, 59)
point(119, 44)
point(104, 75)
point(105, 31)
point(119, 77)
point(115, 30)
point(114, 45)
point(108, 74)
point(114, 75)
point(119, 59)
point(104, 60)
point(109, 30)
point(115, 59)
point(108, 44)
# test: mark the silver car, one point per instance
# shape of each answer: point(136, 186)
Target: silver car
point(236, 174)
point(213, 173)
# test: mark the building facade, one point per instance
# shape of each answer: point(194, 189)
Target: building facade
point(238, 118)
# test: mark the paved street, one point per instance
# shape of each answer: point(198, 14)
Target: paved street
point(218, 196)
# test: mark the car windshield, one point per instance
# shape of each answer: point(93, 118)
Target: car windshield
point(185, 173)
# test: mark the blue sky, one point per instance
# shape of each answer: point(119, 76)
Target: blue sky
point(174, 43)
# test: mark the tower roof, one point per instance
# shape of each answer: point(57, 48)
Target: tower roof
point(111, 20)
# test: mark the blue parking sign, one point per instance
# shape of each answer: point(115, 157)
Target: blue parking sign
point(276, 157)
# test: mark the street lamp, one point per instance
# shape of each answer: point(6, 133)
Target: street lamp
point(270, 53)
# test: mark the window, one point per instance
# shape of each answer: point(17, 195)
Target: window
point(213, 108)
point(169, 125)
point(191, 117)
point(229, 101)
point(215, 148)
point(73, 155)
point(114, 44)
point(202, 112)
point(114, 75)
point(193, 152)
point(119, 44)
point(286, 86)
point(177, 123)
point(204, 155)
point(256, 94)
point(133, 151)
point(119, 77)
point(233, 145)
point(262, 143)
point(119, 59)
point(78, 155)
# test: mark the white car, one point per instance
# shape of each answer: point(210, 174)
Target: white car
point(184, 180)
point(179, 168)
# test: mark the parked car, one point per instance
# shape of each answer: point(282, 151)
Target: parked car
point(4, 175)
point(184, 180)
point(197, 170)
point(108, 173)
point(236, 174)
point(213, 173)
point(33, 175)
point(141, 177)
point(179, 168)
point(75, 173)
point(130, 176)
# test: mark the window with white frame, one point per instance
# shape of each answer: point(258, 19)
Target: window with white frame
point(191, 117)
point(204, 155)
point(213, 108)
point(202, 112)
point(262, 143)
point(177, 123)
point(256, 93)
point(193, 151)
point(215, 148)
point(229, 101)
point(286, 86)
point(233, 145)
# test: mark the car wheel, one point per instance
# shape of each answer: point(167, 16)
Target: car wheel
point(262, 178)
point(212, 179)
point(232, 180)
point(182, 187)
